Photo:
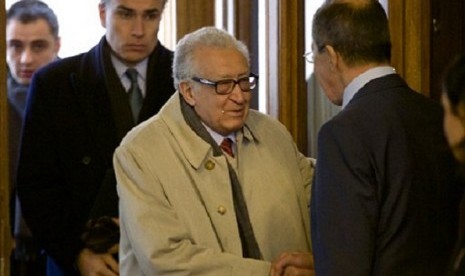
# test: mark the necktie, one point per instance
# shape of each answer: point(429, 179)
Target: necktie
point(226, 146)
point(134, 93)
point(250, 248)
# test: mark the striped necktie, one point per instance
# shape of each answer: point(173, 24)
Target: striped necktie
point(226, 146)
point(134, 94)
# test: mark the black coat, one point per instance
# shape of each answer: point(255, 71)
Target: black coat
point(77, 113)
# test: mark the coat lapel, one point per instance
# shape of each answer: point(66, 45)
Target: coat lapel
point(93, 98)
point(210, 178)
point(159, 86)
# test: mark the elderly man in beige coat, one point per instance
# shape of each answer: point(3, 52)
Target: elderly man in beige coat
point(190, 205)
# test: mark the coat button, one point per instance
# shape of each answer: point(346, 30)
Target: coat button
point(86, 160)
point(209, 165)
point(221, 210)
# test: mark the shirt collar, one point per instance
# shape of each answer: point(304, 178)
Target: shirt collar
point(121, 68)
point(218, 137)
point(361, 80)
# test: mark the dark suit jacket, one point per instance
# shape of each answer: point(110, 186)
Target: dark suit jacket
point(77, 113)
point(384, 199)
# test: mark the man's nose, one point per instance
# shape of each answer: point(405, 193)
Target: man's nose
point(237, 94)
point(26, 55)
point(138, 26)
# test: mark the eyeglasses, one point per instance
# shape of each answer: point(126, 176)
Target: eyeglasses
point(309, 57)
point(224, 87)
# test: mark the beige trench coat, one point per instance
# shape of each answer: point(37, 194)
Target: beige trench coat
point(176, 208)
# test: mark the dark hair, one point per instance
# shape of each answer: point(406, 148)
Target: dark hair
point(359, 32)
point(453, 83)
point(27, 11)
point(104, 2)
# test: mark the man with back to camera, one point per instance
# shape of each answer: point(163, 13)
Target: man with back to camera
point(385, 197)
point(32, 42)
point(385, 200)
point(78, 110)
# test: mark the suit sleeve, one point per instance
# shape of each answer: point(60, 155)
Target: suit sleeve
point(106, 201)
point(344, 204)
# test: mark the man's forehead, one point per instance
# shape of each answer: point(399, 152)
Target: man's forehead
point(138, 4)
point(32, 30)
point(39, 23)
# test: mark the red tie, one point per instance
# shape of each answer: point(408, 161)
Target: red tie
point(226, 146)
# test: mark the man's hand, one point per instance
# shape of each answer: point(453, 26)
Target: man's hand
point(101, 234)
point(293, 264)
point(90, 263)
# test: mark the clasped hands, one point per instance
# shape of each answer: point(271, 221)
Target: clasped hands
point(293, 264)
point(101, 246)
point(101, 239)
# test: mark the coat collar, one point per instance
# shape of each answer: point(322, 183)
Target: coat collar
point(193, 147)
point(378, 85)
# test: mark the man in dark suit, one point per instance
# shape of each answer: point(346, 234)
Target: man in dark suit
point(384, 200)
point(78, 110)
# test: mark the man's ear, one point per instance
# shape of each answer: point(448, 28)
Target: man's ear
point(102, 10)
point(57, 45)
point(461, 112)
point(334, 57)
point(185, 88)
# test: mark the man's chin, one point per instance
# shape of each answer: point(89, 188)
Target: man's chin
point(235, 127)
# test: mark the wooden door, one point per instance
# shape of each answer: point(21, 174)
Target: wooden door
point(447, 38)
point(4, 182)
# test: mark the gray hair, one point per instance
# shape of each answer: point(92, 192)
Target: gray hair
point(183, 62)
